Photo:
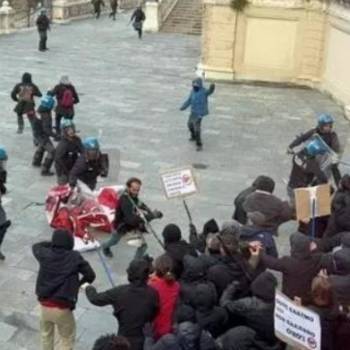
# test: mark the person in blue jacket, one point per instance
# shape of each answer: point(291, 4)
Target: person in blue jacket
point(198, 100)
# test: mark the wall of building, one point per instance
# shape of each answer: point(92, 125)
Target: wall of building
point(291, 41)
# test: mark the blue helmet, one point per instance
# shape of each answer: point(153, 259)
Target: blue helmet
point(91, 144)
point(67, 123)
point(324, 119)
point(315, 148)
point(3, 153)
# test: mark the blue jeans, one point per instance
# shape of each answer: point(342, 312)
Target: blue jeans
point(114, 240)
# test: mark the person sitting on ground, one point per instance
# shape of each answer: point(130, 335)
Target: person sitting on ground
point(198, 241)
point(163, 281)
point(134, 304)
point(255, 313)
point(273, 211)
point(298, 269)
point(111, 342)
point(176, 247)
point(57, 287)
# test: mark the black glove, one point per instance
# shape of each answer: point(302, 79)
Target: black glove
point(157, 214)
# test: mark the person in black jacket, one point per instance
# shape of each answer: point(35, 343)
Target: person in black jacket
point(176, 247)
point(23, 93)
point(67, 97)
point(67, 151)
point(42, 128)
point(57, 287)
point(198, 241)
point(43, 25)
point(97, 7)
point(89, 165)
point(114, 7)
point(134, 304)
point(128, 218)
point(138, 17)
point(255, 313)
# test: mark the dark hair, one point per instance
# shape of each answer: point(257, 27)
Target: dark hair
point(132, 180)
point(321, 291)
point(111, 342)
point(164, 266)
point(138, 271)
point(264, 183)
point(229, 244)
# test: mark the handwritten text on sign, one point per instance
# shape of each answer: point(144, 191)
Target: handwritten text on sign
point(296, 325)
point(179, 183)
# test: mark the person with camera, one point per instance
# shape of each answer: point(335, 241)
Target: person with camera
point(131, 218)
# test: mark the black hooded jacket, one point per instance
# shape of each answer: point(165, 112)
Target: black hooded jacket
point(299, 269)
point(256, 311)
point(59, 270)
point(134, 304)
point(176, 248)
point(23, 107)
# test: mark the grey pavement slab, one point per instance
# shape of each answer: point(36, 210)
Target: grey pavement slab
point(132, 90)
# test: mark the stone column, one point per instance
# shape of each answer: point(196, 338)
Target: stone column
point(6, 18)
point(152, 22)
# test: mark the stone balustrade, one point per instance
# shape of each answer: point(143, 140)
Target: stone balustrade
point(157, 12)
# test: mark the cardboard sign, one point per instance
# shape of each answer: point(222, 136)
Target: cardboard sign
point(304, 197)
point(179, 182)
point(296, 325)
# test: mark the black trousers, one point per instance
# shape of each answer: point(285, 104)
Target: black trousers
point(3, 229)
point(43, 40)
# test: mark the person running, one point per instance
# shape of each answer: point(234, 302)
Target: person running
point(137, 19)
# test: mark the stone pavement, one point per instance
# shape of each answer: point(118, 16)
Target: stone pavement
point(131, 90)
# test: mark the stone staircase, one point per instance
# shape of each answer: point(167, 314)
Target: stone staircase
point(185, 18)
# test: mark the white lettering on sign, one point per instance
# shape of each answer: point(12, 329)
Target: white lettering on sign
point(296, 325)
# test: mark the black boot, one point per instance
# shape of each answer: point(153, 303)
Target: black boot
point(37, 159)
point(46, 167)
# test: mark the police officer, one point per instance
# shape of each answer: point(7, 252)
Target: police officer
point(67, 152)
point(89, 165)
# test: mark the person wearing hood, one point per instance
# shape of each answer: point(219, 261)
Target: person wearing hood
point(23, 93)
point(255, 312)
point(298, 269)
point(68, 151)
point(198, 101)
point(232, 266)
point(272, 211)
point(67, 97)
point(137, 19)
point(43, 25)
point(198, 241)
point(188, 335)
point(61, 273)
point(338, 262)
point(134, 304)
point(340, 209)
point(209, 316)
point(176, 247)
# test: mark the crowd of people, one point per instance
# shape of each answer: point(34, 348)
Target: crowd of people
point(215, 291)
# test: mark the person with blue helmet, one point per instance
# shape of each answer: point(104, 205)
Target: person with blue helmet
point(4, 222)
point(198, 100)
point(68, 151)
point(42, 129)
point(89, 165)
point(306, 169)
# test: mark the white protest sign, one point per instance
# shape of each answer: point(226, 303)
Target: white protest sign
point(179, 182)
point(296, 325)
